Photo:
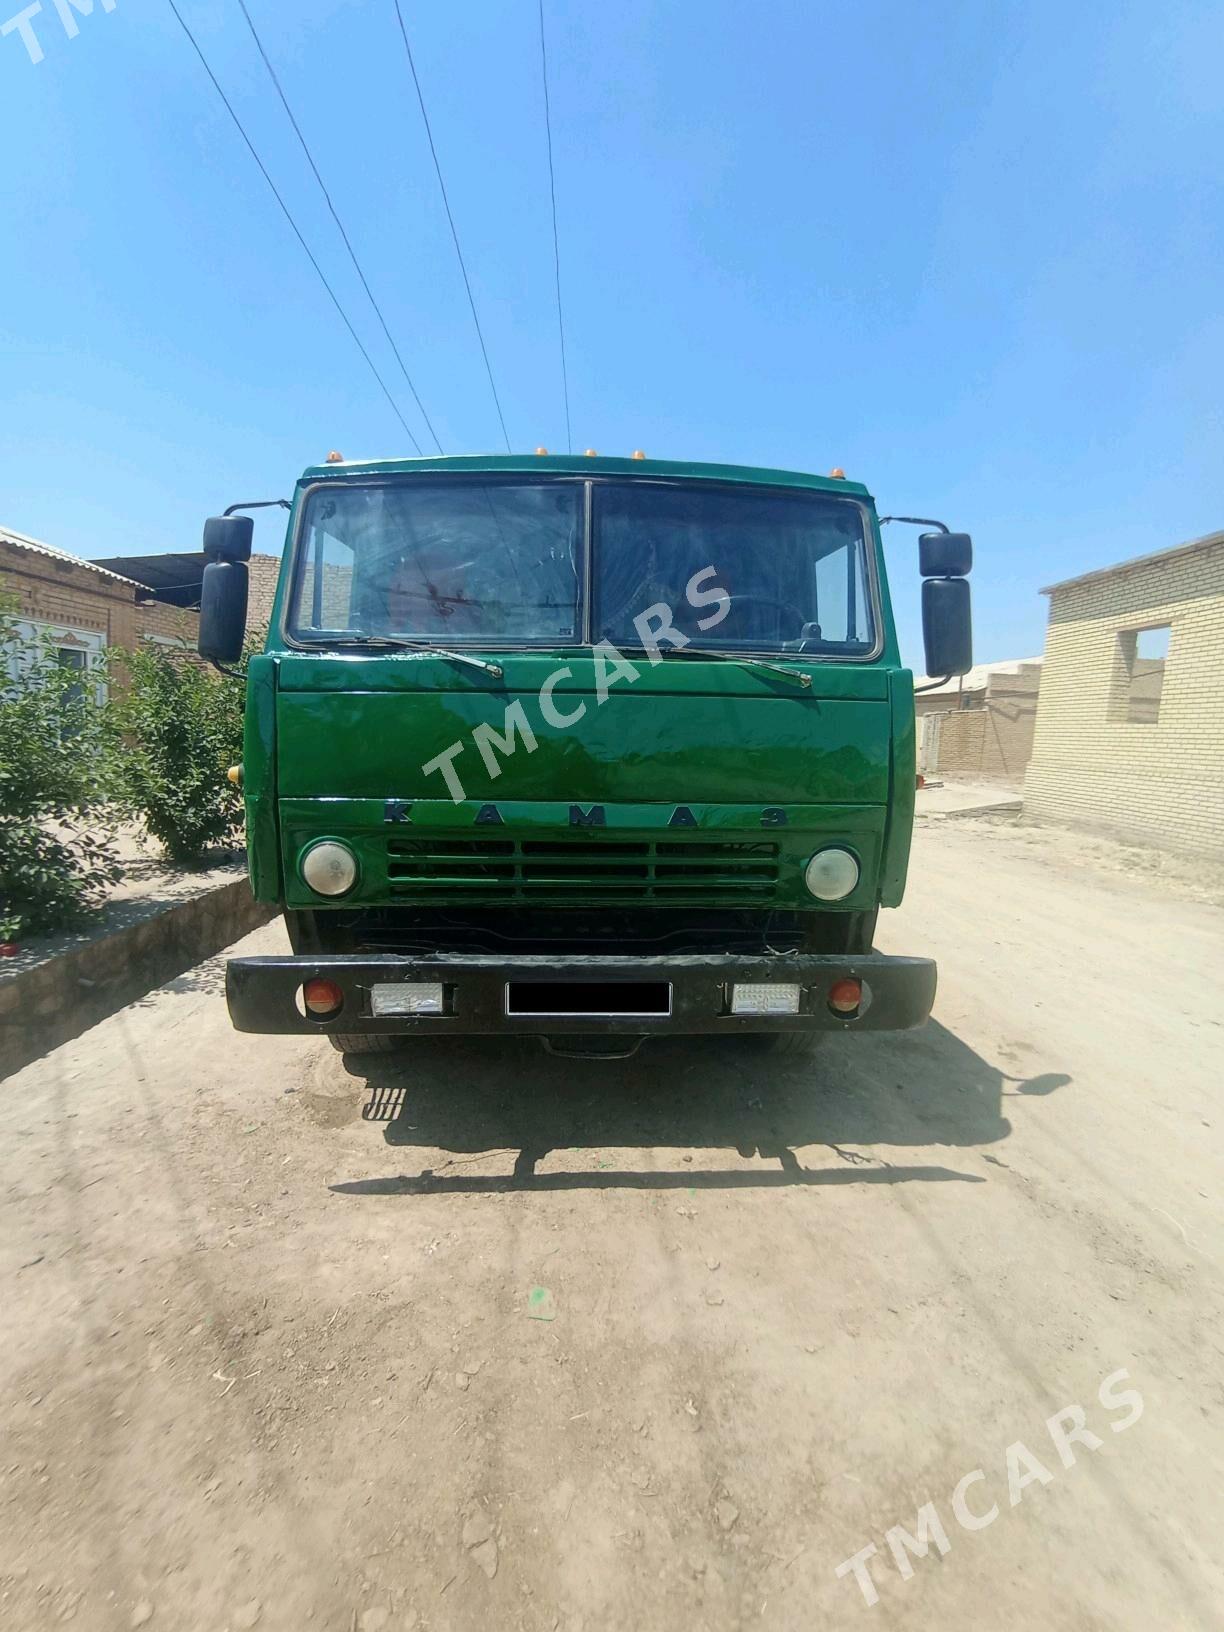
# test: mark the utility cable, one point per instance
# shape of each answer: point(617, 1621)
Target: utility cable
point(467, 282)
point(552, 188)
point(339, 224)
point(293, 224)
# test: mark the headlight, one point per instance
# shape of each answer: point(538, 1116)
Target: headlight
point(831, 874)
point(329, 868)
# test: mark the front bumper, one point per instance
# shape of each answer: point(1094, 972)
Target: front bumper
point(898, 993)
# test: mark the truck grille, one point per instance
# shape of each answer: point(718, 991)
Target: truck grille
point(544, 870)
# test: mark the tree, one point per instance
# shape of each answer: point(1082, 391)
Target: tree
point(56, 859)
point(178, 728)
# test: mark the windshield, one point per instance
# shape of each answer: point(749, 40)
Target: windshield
point(792, 567)
point(483, 562)
point(447, 561)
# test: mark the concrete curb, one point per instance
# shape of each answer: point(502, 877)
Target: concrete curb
point(58, 999)
point(1010, 807)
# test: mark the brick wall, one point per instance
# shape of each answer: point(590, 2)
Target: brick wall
point(995, 740)
point(1108, 754)
point(162, 621)
point(264, 571)
point(73, 596)
point(50, 590)
point(991, 733)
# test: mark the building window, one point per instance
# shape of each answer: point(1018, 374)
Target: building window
point(1143, 653)
point(75, 658)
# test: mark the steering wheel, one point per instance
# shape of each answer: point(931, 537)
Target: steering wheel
point(769, 600)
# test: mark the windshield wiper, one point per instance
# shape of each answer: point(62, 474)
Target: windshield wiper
point(797, 676)
point(395, 643)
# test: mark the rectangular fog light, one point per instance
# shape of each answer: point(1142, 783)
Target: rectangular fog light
point(406, 997)
point(779, 997)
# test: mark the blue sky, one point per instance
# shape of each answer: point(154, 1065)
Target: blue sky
point(973, 254)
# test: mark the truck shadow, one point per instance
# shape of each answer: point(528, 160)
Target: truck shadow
point(475, 1097)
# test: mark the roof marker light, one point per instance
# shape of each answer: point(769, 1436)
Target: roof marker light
point(541, 450)
point(591, 454)
point(334, 458)
point(638, 454)
point(838, 474)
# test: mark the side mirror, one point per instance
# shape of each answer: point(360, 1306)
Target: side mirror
point(947, 628)
point(944, 555)
point(223, 608)
point(228, 538)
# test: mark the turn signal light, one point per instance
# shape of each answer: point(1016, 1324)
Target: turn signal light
point(234, 775)
point(322, 998)
point(845, 996)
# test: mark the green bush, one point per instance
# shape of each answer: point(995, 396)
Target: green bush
point(56, 860)
point(178, 727)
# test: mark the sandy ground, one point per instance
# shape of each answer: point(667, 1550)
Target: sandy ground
point(492, 1340)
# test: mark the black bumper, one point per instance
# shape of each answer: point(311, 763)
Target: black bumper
point(898, 993)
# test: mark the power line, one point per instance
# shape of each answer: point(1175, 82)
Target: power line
point(296, 231)
point(467, 283)
point(340, 224)
point(552, 188)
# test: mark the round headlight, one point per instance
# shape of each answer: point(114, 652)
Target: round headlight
point(831, 874)
point(329, 868)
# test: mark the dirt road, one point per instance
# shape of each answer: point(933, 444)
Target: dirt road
point(493, 1340)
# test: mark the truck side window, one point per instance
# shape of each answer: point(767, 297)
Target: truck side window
point(841, 596)
point(324, 597)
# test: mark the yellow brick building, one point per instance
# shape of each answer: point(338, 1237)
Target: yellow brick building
point(1129, 737)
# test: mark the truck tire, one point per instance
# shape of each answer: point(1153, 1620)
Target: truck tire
point(366, 1042)
point(791, 1045)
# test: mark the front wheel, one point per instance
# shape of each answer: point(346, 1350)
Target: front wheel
point(365, 1042)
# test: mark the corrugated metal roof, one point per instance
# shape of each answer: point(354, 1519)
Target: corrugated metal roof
point(173, 578)
point(176, 576)
point(1207, 542)
point(22, 542)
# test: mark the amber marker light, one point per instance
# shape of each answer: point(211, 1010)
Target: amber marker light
point(638, 454)
point(334, 458)
point(837, 474)
point(591, 454)
point(541, 450)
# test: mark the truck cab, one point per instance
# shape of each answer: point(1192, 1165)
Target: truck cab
point(589, 749)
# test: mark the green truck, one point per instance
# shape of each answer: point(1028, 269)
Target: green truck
point(587, 749)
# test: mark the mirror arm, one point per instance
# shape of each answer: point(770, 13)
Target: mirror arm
point(913, 521)
point(270, 504)
point(932, 685)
